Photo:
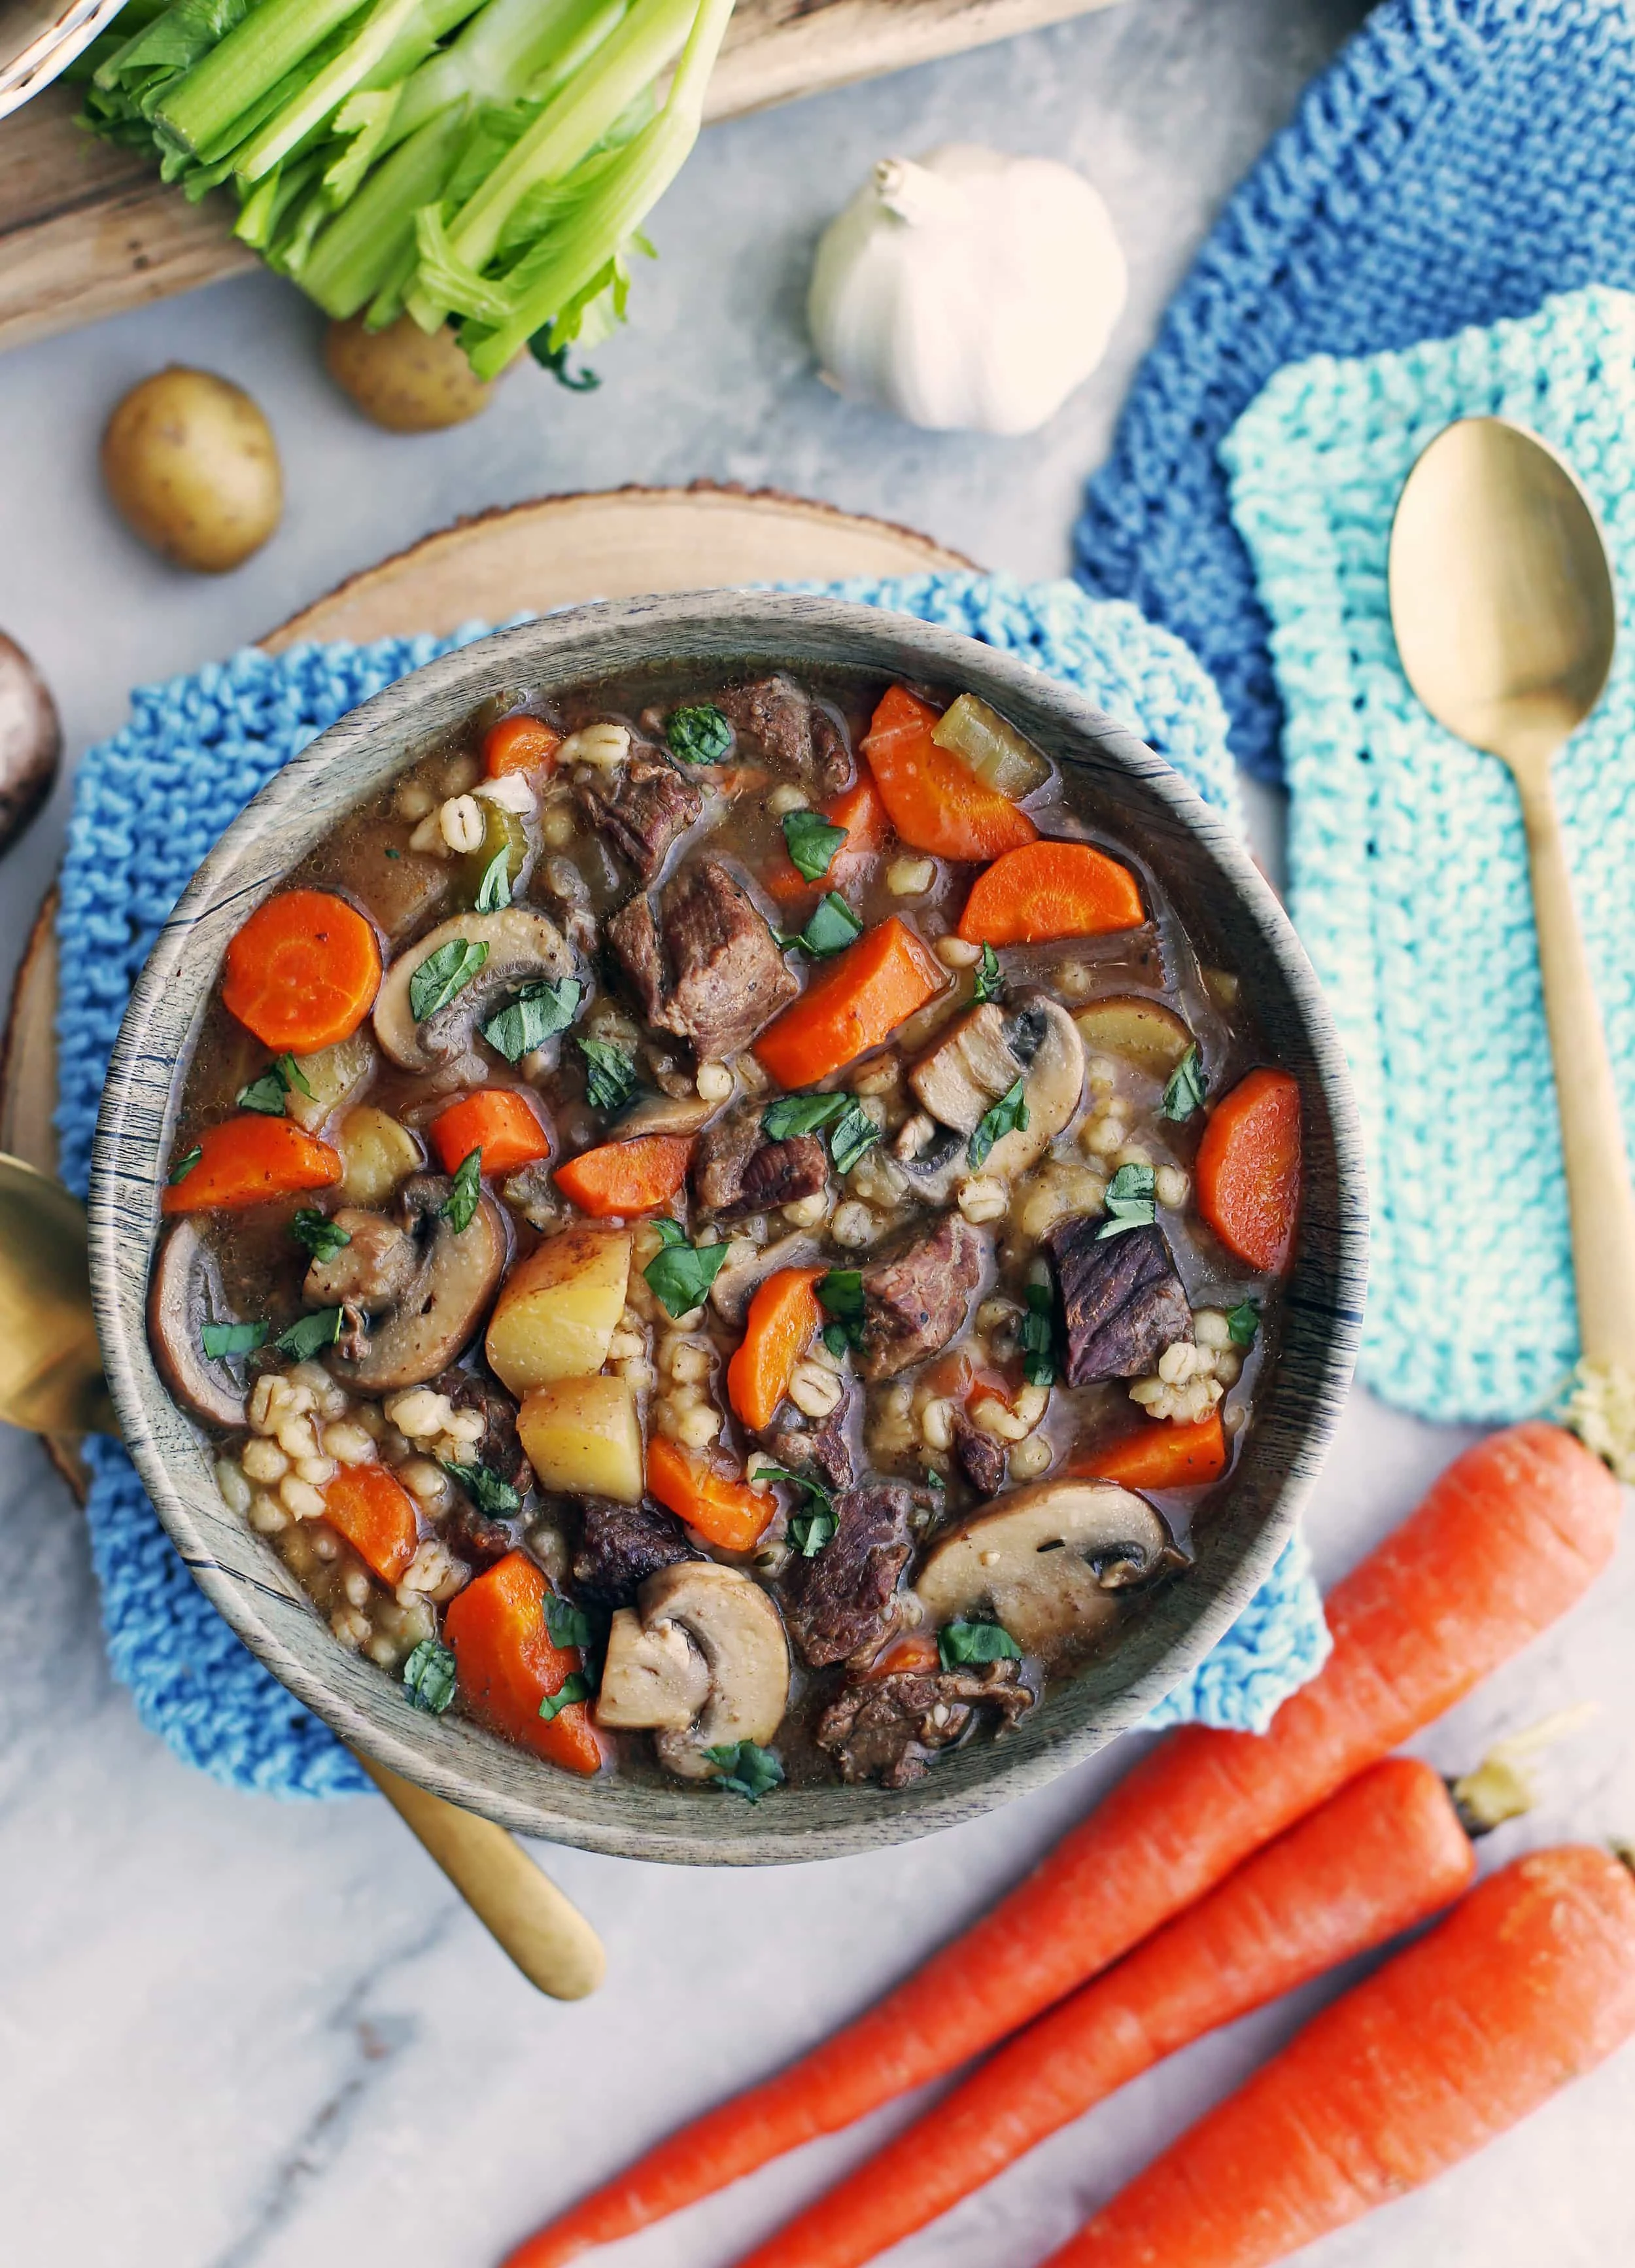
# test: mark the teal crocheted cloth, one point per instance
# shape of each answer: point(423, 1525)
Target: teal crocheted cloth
point(1407, 864)
point(151, 802)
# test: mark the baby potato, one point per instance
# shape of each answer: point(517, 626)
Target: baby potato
point(192, 466)
point(402, 378)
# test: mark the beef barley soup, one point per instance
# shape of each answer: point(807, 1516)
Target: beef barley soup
point(726, 1230)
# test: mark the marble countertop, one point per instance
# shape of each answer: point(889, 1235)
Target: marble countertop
point(235, 2033)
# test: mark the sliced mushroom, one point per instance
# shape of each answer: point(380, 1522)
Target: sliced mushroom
point(431, 1322)
point(1047, 1561)
point(936, 1164)
point(184, 1294)
point(667, 1113)
point(981, 1059)
point(706, 1641)
point(524, 948)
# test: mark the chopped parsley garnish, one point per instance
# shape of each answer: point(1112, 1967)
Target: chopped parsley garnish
point(568, 1624)
point(960, 1644)
point(611, 1074)
point(464, 1192)
point(745, 1768)
point(311, 1336)
point(1009, 1116)
point(493, 892)
point(1184, 1088)
point(315, 1230)
point(681, 1275)
point(536, 1015)
point(815, 1523)
point(429, 1676)
point(220, 1340)
point(851, 1136)
point(394, 854)
point(987, 980)
point(1038, 1337)
point(1129, 1202)
point(444, 975)
point(832, 928)
point(699, 735)
point(812, 843)
point(840, 1296)
point(1244, 1321)
point(933, 1479)
point(574, 1686)
point(486, 1490)
point(184, 1165)
point(801, 1114)
point(266, 1093)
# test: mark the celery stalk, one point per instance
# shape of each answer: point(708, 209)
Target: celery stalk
point(362, 245)
point(325, 94)
point(196, 110)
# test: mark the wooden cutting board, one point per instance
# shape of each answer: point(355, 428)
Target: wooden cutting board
point(613, 545)
point(88, 231)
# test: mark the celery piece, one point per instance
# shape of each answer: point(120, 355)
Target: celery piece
point(360, 249)
point(256, 55)
point(325, 94)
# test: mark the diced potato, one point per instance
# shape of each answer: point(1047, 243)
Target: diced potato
point(375, 1154)
point(583, 1436)
point(559, 1307)
point(334, 1075)
point(1144, 1032)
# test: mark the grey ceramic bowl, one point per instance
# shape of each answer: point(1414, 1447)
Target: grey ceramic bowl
point(1232, 915)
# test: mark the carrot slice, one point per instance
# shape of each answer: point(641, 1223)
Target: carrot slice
point(867, 830)
point(1528, 1984)
point(519, 744)
point(784, 1319)
point(1050, 890)
point(624, 1178)
point(303, 972)
point(245, 1161)
point(852, 1003)
point(500, 1122)
point(1249, 1169)
point(914, 1653)
point(376, 1513)
point(724, 1511)
point(935, 802)
point(507, 1663)
point(1159, 1456)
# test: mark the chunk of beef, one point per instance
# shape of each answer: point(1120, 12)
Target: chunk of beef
point(914, 1304)
point(840, 1598)
point(890, 1728)
point(501, 1447)
point(642, 807)
point(981, 1457)
point(620, 1546)
point(1121, 1297)
point(822, 1450)
point(736, 1171)
point(707, 967)
point(784, 724)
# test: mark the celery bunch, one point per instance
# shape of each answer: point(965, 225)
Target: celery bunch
point(486, 162)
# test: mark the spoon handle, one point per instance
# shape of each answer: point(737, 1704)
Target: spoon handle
point(1599, 1197)
point(523, 1910)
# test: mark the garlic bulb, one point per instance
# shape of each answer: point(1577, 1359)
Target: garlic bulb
point(966, 288)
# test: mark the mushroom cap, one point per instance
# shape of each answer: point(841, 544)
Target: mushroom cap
point(442, 1307)
point(652, 1679)
point(523, 947)
point(735, 1628)
point(980, 1058)
point(1047, 1561)
point(187, 1281)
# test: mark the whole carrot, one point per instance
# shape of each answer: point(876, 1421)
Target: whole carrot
point(1387, 1851)
point(1528, 1984)
point(1507, 1539)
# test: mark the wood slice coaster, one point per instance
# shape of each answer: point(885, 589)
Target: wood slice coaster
point(620, 543)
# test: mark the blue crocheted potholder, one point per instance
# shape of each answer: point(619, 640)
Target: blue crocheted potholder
point(151, 802)
point(1458, 162)
point(1408, 875)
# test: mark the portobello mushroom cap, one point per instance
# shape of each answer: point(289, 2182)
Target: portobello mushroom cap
point(184, 1293)
point(429, 1323)
point(524, 948)
point(1047, 1561)
point(703, 1664)
point(979, 1058)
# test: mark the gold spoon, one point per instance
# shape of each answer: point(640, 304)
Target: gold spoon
point(1502, 602)
point(51, 1383)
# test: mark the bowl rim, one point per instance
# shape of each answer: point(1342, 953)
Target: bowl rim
point(238, 1571)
